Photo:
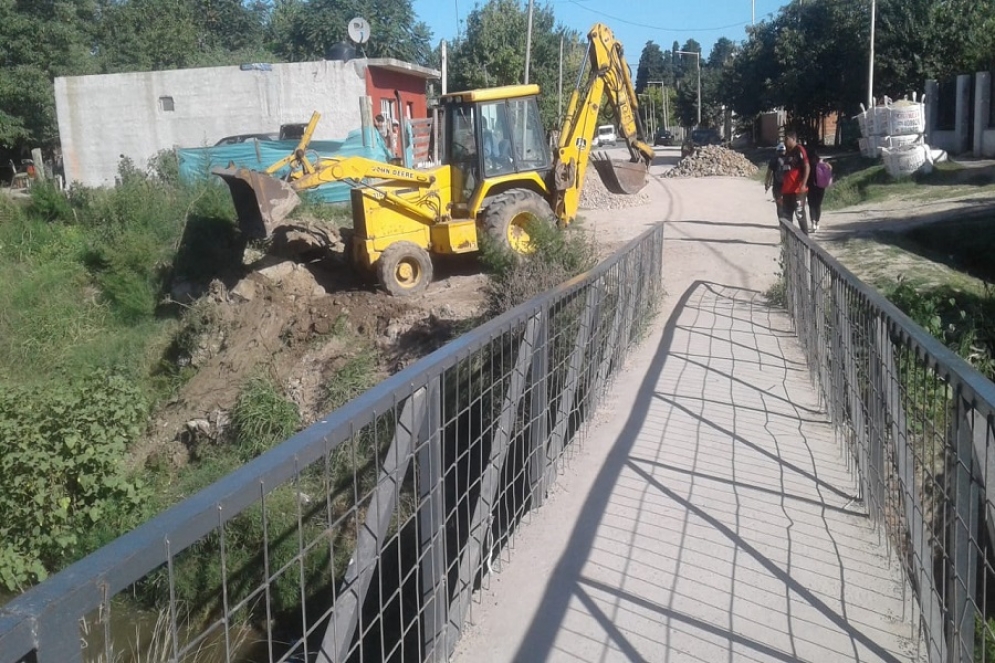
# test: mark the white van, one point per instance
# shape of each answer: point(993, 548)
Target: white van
point(606, 136)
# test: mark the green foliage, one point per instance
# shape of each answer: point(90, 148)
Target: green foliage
point(653, 67)
point(356, 375)
point(306, 29)
point(808, 56)
point(963, 321)
point(262, 416)
point(61, 452)
point(492, 52)
point(556, 257)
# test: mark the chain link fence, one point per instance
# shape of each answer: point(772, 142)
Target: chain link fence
point(918, 424)
point(364, 537)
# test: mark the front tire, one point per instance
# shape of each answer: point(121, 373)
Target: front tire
point(405, 269)
point(507, 218)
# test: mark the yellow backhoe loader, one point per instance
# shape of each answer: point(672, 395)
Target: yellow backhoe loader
point(497, 174)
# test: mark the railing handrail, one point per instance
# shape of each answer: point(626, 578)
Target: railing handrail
point(978, 385)
point(84, 585)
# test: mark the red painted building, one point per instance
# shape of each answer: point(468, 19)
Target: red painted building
point(384, 76)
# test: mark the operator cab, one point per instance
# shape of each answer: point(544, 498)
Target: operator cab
point(492, 133)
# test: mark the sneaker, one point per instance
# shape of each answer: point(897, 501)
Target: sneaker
point(815, 227)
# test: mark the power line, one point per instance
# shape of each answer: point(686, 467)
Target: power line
point(657, 27)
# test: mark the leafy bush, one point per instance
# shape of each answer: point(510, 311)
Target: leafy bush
point(61, 452)
point(963, 321)
point(556, 257)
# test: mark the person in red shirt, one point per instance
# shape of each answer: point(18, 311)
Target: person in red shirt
point(795, 184)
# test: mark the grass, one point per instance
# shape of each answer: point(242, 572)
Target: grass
point(858, 181)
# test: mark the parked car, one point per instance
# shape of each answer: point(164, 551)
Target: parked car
point(706, 137)
point(606, 136)
point(241, 138)
point(663, 137)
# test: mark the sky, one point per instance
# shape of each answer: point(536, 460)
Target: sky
point(634, 22)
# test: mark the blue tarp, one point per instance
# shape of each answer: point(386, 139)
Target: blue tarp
point(196, 163)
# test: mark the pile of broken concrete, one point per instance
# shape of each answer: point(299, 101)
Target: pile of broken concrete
point(594, 195)
point(713, 161)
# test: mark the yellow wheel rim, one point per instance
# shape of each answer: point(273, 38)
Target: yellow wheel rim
point(518, 233)
point(408, 273)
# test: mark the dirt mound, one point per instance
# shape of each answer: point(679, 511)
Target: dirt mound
point(713, 161)
point(296, 322)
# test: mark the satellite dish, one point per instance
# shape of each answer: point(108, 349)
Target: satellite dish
point(359, 30)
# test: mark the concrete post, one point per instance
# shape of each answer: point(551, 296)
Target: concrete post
point(932, 95)
point(40, 173)
point(982, 109)
point(961, 128)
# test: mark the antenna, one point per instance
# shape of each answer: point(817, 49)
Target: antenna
point(359, 30)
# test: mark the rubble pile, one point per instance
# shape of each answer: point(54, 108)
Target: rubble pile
point(713, 161)
point(594, 195)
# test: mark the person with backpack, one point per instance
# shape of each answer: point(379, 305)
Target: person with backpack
point(775, 177)
point(820, 178)
point(795, 185)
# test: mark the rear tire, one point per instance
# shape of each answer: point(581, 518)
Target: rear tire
point(405, 269)
point(507, 217)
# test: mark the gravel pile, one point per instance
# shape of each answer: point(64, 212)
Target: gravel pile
point(594, 195)
point(713, 161)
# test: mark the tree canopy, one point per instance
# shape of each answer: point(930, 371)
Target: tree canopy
point(812, 57)
point(491, 52)
point(43, 39)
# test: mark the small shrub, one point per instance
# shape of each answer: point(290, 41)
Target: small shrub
point(557, 256)
point(61, 452)
point(164, 167)
point(50, 204)
point(262, 417)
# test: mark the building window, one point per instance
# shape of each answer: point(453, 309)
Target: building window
point(166, 104)
point(410, 110)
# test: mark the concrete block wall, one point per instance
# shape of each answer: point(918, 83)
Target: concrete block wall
point(104, 117)
point(972, 134)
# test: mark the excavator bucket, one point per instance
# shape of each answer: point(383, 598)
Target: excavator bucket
point(621, 177)
point(262, 201)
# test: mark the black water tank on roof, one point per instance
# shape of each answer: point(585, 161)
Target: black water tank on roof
point(341, 51)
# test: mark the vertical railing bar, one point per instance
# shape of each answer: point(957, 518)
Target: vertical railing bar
point(345, 615)
point(432, 528)
point(539, 407)
point(489, 482)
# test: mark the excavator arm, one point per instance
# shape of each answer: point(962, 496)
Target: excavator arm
point(607, 76)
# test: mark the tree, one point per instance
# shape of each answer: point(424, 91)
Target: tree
point(39, 40)
point(492, 52)
point(653, 66)
point(723, 51)
point(307, 29)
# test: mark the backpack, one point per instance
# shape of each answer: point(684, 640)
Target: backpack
point(823, 175)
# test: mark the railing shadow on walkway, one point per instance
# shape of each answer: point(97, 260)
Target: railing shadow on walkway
point(682, 527)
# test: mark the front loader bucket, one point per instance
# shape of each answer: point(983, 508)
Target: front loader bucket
point(621, 177)
point(262, 201)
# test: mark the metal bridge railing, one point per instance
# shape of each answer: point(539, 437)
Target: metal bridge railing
point(363, 537)
point(918, 423)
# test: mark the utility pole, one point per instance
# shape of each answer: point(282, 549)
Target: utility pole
point(754, 21)
point(559, 94)
point(528, 44)
point(870, 68)
point(698, 56)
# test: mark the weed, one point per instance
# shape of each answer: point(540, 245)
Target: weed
point(556, 257)
point(262, 417)
point(355, 376)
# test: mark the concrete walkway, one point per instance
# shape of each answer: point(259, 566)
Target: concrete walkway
point(711, 516)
